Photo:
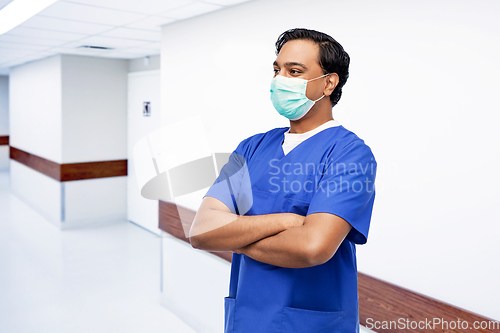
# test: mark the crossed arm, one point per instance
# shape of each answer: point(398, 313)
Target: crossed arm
point(284, 239)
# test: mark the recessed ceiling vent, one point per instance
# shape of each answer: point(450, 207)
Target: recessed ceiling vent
point(94, 47)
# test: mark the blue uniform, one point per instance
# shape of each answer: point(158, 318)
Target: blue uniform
point(330, 172)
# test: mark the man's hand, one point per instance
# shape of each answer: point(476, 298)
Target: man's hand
point(310, 244)
point(290, 221)
point(293, 220)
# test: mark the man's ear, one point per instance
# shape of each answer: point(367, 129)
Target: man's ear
point(332, 81)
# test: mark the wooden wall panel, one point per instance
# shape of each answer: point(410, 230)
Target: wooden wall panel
point(37, 163)
point(92, 170)
point(170, 222)
point(379, 300)
point(4, 140)
point(70, 171)
point(384, 302)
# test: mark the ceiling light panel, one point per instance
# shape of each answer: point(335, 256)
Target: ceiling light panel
point(150, 7)
point(19, 11)
point(52, 23)
point(194, 9)
point(4, 3)
point(90, 14)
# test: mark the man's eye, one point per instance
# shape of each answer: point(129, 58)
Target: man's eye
point(294, 71)
point(276, 70)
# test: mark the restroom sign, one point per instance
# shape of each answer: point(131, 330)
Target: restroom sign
point(146, 109)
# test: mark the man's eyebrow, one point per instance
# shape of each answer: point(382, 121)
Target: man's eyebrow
point(291, 64)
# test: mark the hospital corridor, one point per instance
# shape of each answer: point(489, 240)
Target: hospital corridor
point(249, 166)
point(94, 279)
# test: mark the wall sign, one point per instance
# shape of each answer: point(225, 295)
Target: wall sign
point(146, 109)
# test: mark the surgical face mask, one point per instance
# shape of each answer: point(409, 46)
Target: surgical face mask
point(289, 96)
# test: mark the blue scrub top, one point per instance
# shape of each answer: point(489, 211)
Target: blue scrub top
point(330, 172)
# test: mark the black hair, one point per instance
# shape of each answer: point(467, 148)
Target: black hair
point(332, 57)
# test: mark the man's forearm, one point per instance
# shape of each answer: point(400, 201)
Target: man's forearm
point(291, 248)
point(224, 231)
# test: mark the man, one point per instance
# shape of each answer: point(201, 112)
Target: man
point(292, 203)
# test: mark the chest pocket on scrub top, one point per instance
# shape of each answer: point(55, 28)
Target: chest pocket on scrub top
point(263, 202)
point(295, 206)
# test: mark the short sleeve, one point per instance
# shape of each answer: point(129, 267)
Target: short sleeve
point(347, 189)
point(233, 187)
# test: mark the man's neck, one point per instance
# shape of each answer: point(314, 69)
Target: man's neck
point(320, 113)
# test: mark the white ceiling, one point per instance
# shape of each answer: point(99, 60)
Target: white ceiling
point(130, 27)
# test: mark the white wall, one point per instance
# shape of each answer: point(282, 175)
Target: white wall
point(70, 109)
point(94, 128)
point(4, 158)
point(138, 64)
point(40, 192)
point(194, 285)
point(91, 201)
point(143, 86)
point(422, 94)
point(35, 127)
point(4, 105)
point(92, 92)
point(4, 121)
point(35, 108)
point(94, 103)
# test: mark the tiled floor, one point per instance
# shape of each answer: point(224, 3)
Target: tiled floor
point(94, 280)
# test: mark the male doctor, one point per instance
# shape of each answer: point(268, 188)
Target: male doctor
point(292, 203)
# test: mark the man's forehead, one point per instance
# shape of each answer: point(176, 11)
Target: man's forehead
point(299, 51)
